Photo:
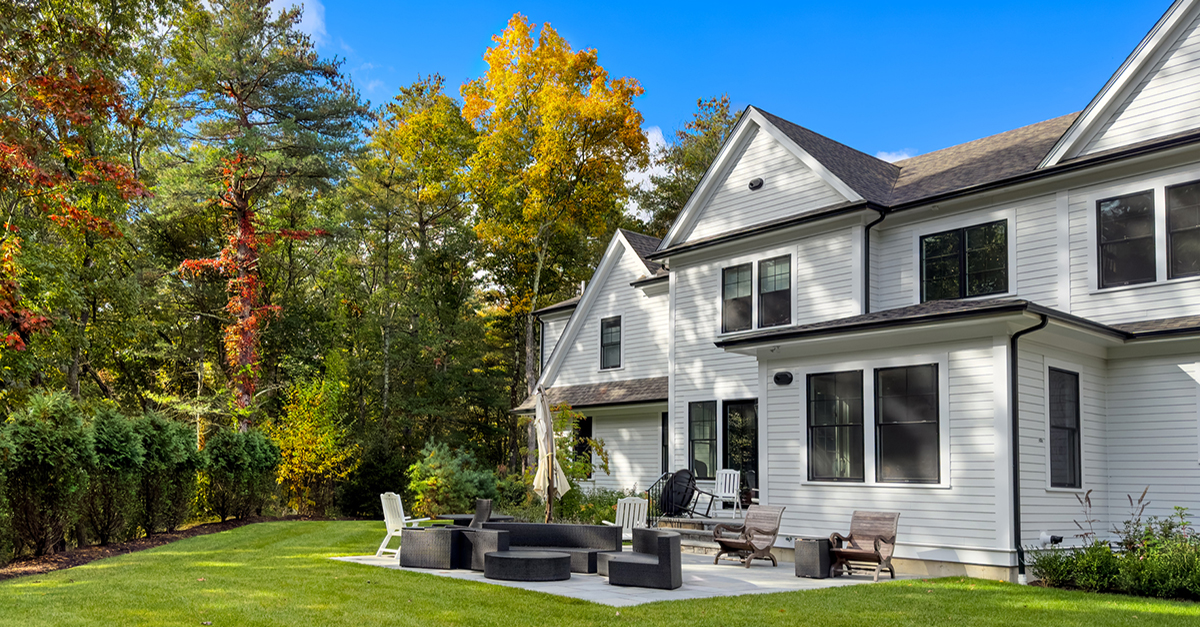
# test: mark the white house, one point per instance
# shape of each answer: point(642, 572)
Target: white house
point(973, 337)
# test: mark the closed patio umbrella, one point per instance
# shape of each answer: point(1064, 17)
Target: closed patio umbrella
point(545, 481)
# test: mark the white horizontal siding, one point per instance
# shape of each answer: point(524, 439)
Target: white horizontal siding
point(789, 187)
point(1153, 434)
point(825, 281)
point(1148, 301)
point(1034, 274)
point(552, 330)
point(632, 441)
point(1165, 102)
point(1049, 510)
point(644, 324)
point(963, 515)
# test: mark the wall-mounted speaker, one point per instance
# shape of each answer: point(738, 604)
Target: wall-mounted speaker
point(755, 184)
point(783, 378)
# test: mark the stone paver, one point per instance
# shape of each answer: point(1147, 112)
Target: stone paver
point(701, 580)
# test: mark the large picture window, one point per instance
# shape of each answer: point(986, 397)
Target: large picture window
point(835, 426)
point(741, 440)
point(775, 291)
point(1183, 230)
point(610, 343)
point(1126, 239)
point(961, 263)
point(736, 298)
point(1065, 467)
point(906, 425)
point(702, 439)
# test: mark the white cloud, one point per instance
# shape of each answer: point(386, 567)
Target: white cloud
point(641, 178)
point(373, 86)
point(312, 21)
point(892, 157)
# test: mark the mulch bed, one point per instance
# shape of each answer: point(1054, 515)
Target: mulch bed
point(80, 556)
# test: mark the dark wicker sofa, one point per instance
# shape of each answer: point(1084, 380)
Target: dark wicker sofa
point(654, 563)
point(581, 542)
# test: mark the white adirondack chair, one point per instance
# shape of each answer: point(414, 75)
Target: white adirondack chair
point(394, 518)
point(729, 488)
point(631, 513)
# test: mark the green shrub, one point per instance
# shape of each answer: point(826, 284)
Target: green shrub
point(46, 453)
point(239, 473)
point(167, 483)
point(6, 542)
point(589, 506)
point(381, 470)
point(1096, 567)
point(445, 481)
point(110, 505)
point(1171, 571)
point(1055, 566)
point(512, 492)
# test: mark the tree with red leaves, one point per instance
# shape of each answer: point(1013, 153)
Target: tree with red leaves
point(58, 92)
point(268, 120)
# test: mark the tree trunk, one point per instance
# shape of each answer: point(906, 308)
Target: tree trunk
point(242, 342)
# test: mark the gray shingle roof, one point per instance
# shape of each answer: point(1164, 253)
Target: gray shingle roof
point(570, 303)
point(597, 394)
point(1161, 326)
point(644, 245)
point(871, 177)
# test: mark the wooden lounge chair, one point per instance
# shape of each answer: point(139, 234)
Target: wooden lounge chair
point(631, 514)
point(872, 541)
point(395, 520)
point(753, 538)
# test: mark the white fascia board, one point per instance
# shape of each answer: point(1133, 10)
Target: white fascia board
point(578, 318)
point(751, 119)
point(1117, 89)
point(801, 154)
point(708, 183)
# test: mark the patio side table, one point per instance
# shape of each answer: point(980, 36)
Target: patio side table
point(812, 557)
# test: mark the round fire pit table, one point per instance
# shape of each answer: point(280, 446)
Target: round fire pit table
point(527, 565)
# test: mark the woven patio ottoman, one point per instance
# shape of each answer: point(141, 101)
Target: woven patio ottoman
point(527, 566)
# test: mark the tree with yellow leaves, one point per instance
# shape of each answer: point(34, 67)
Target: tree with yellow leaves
point(557, 138)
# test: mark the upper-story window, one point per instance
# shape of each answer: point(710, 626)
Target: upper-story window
point(736, 299)
point(1183, 230)
point(775, 291)
point(610, 343)
point(1126, 239)
point(960, 263)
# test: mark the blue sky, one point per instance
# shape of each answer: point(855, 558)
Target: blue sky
point(882, 77)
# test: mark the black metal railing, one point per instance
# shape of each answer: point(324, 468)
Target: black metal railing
point(655, 495)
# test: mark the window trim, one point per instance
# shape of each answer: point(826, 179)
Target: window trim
point(963, 271)
point(723, 443)
point(758, 293)
point(1074, 368)
point(753, 260)
point(620, 317)
point(716, 439)
point(868, 366)
point(1155, 199)
point(808, 427)
point(1167, 224)
point(1159, 185)
point(962, 221)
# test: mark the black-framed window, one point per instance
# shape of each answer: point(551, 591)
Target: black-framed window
point(775, 291)
point(1183, 230)
point(665, 434)
point(960, 263)
point(736, 298)
point(906, 425)
point(583, 446)
point(1065, 455)
point(740, 445)
point(835, 426)
point(610, 343)
point(1126, 242)
point(702, 439)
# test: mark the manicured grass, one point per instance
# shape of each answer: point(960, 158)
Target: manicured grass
point(279, 574)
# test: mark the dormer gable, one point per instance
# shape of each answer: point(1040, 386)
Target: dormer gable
point(1155, 94)
point(769, 169)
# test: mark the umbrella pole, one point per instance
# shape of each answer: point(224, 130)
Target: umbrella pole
point(550, 493)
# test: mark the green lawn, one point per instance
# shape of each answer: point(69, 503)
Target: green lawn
point(278, 574)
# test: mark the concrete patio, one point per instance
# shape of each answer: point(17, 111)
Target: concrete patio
point(701, 580)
